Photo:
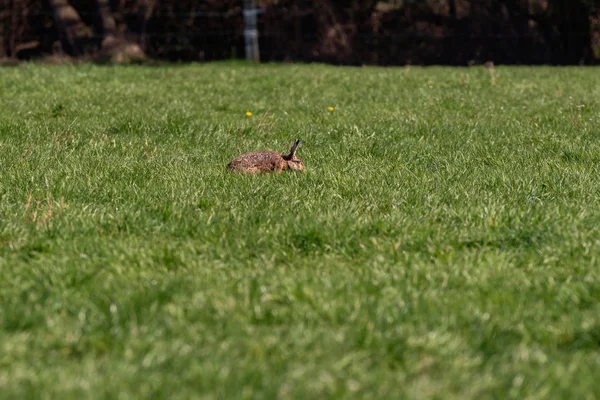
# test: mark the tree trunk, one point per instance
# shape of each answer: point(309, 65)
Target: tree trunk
point(108, 26)
point(572, 20)
point(146, 7)
point(452, 9)
point(115, 47)
point(72, 31)
point(6, 22)
point(476, 15)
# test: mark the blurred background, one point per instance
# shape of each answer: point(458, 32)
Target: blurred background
point(352, 32)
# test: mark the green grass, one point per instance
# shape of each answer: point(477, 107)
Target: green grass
point(444, 241)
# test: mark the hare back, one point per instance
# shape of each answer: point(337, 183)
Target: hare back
point(258, 162)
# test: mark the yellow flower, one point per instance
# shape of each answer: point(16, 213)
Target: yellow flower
point(330, 108)
point(248, 114)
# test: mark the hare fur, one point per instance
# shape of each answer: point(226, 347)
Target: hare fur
point(267, 161)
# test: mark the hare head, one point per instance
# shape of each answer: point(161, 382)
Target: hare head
point(294, 162)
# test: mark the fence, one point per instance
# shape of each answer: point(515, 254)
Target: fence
point(425, 32)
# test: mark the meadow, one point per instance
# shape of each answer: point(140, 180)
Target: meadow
point(444, 241)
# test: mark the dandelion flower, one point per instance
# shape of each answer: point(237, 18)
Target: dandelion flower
point(330, 108)
point(248, 114)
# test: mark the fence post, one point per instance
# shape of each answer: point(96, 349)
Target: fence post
point(251, 31)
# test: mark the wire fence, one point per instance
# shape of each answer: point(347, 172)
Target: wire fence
point(304, 35)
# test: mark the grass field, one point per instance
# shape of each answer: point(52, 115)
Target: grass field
point(444, 241)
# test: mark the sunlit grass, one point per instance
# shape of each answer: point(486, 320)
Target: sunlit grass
point(444, 240)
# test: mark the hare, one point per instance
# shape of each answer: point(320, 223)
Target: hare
point(267, 161)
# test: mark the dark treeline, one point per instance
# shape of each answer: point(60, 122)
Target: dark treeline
point(456, 32)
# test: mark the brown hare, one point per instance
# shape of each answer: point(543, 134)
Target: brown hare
point(267, 161)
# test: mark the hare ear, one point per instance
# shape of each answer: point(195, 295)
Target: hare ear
point(294, 147)
point(293, 150)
